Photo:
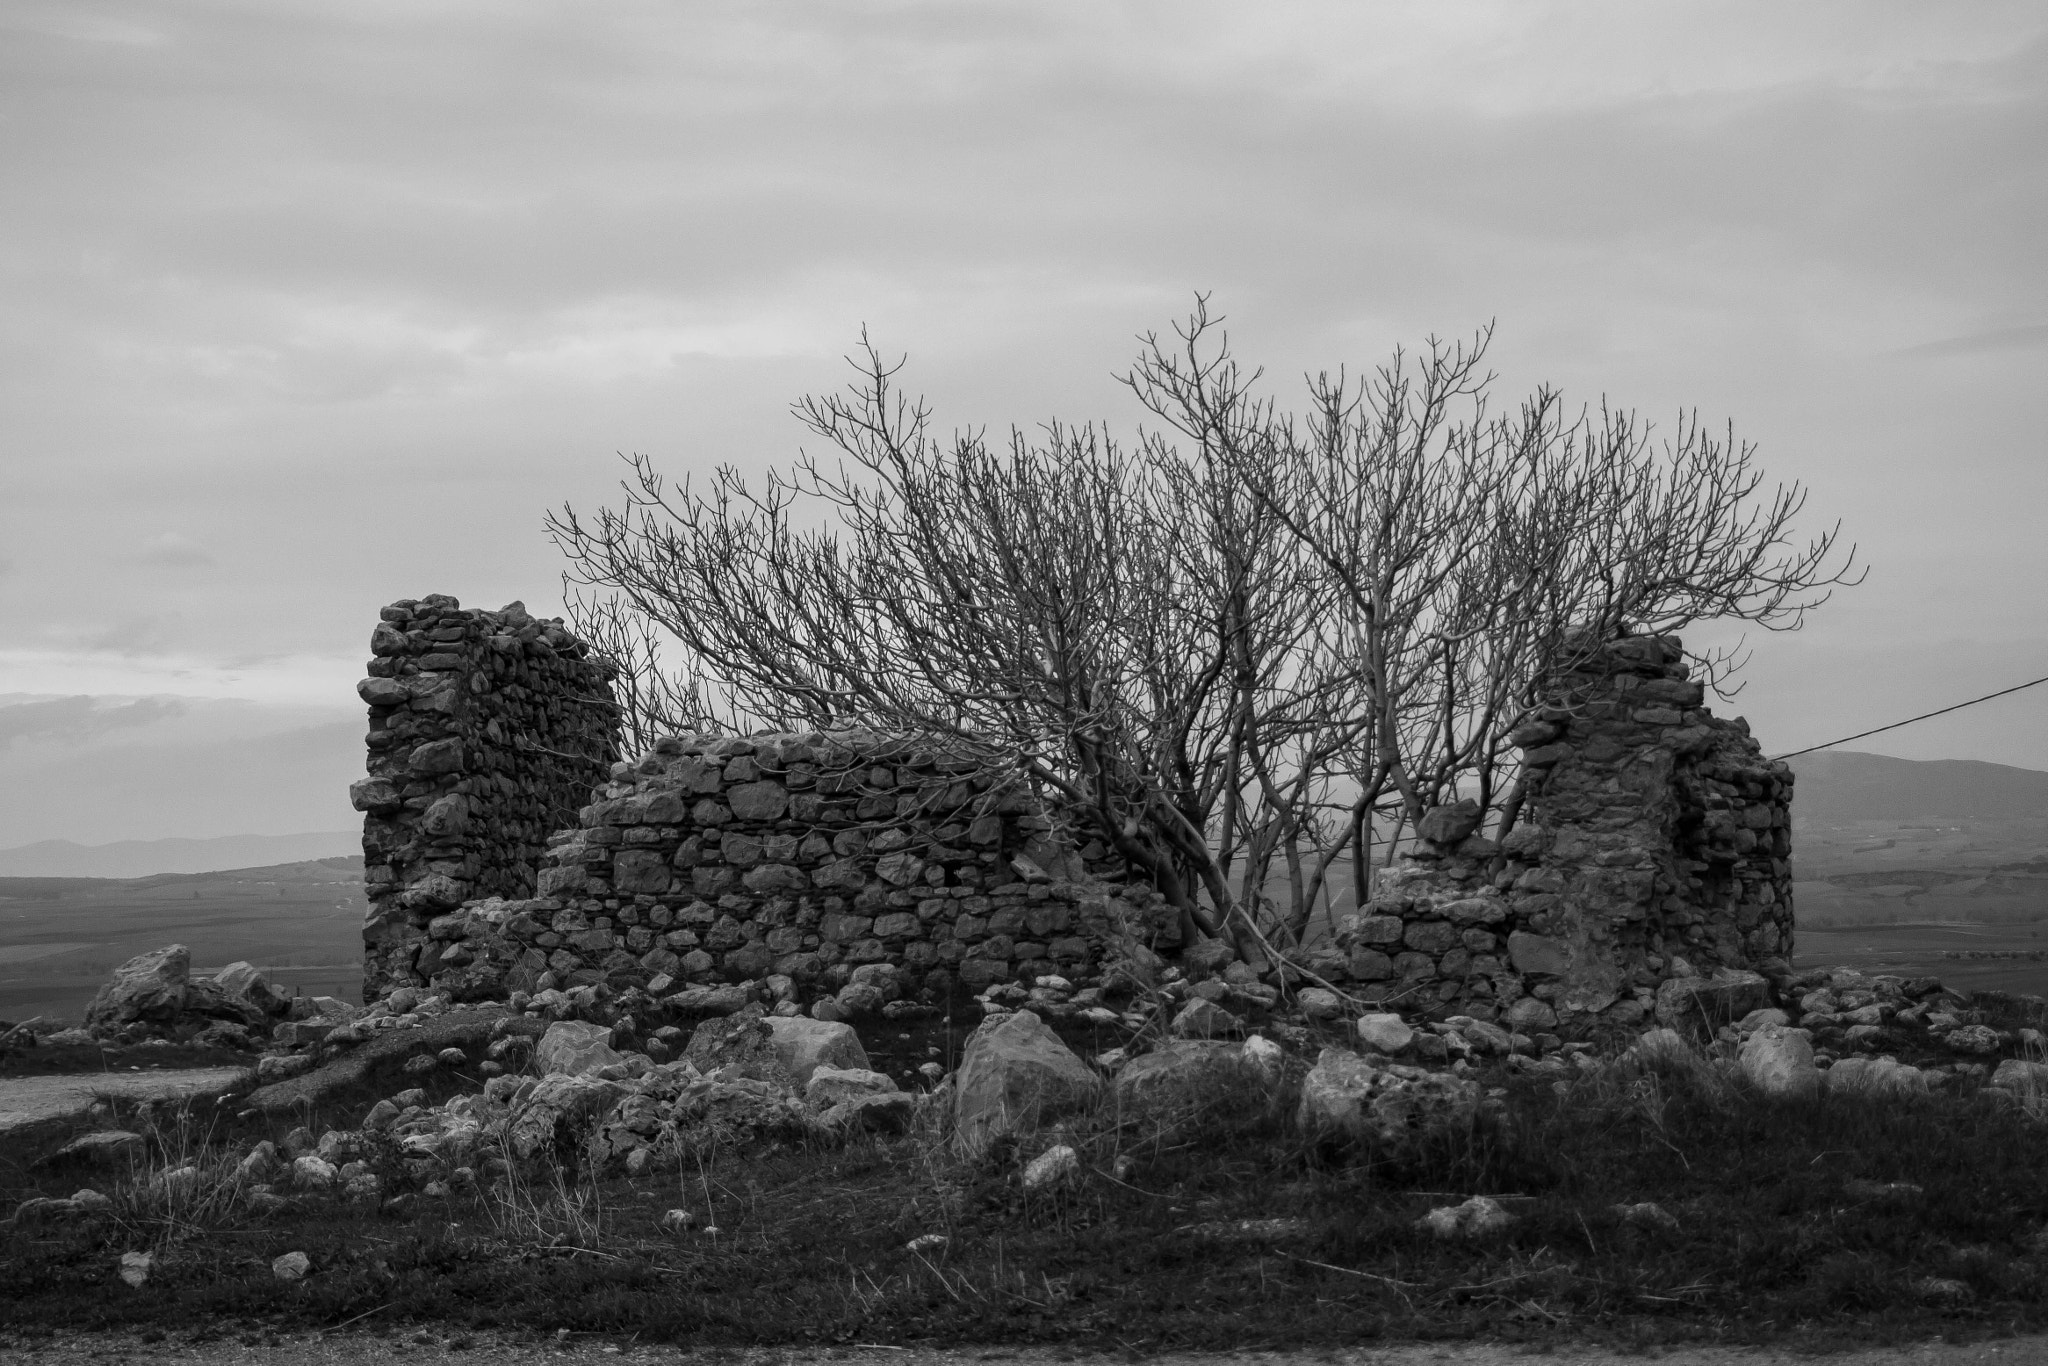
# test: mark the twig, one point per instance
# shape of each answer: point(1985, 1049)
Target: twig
point(1349, 1271)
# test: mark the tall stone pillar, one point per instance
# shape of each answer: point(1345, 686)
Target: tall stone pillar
point(488, 731)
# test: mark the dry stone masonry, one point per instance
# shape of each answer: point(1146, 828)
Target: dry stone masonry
point(1654, 850)
point(487, 732)
point(847, 867)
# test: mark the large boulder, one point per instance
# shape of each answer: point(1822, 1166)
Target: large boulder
point(1779, 1062)
point(150, 987)
point(574, 1048)
point(1014, 1073)
point(805, 1045)
point(1391, 1106)
point(1698, 1006)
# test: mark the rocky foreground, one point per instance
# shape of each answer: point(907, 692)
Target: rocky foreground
point(573, 1072)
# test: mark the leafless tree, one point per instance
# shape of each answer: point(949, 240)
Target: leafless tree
point(1476, 557)
point(1220, 650)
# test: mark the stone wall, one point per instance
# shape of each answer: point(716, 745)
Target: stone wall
point(1655, 843)
point(488, 731)
point(848, 865)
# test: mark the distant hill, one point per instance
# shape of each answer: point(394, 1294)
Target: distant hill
point(142, 858)
point(60, 936)
point(1838, 786)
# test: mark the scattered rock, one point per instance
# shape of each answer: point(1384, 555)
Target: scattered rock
point(135, 1268)
point(149, 988)
point(106, 1145)
point(556, 1108)
point(1185, 1070)
point(1978, 1040)
point(1387, 1104)
point(1875, 1077)
point(2021, 1076)
point(1778, 1062)
point(1200, 1019)
point(1385, 1033)
point(804, 1045)
point(1319, 1003)
point(888, 1112)
point(575, 1048)
point(1478, 1217)
point(1014, 1073)
point(313, 1173)
point(739, 1045)
point(1053, 1167)
point(1698, 1006)
point(829, 1086)
point(292, 1266)
point(926, 1242)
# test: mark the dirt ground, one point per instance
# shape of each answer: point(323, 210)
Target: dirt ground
point(350, 1348)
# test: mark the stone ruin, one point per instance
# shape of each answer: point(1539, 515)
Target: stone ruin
point(508, 850)
point(844, 865)
point(1656, 845)
point(487, 732)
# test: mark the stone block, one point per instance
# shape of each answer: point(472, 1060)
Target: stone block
point(1538, 955)
point(1430, 936)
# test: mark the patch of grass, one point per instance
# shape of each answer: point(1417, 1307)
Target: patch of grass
point(1214, 1224)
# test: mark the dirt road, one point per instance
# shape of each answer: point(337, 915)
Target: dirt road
point(27, 1101)
point(363, 1349)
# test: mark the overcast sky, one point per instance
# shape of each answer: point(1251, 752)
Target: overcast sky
point(314, 306)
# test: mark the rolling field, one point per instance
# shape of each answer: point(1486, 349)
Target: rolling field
point(60, 937)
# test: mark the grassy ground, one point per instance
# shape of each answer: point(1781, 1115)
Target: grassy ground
point(1831, 1220)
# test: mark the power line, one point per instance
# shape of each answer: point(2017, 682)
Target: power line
point(1910, 720)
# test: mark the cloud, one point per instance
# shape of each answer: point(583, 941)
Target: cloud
point(172, 551)
point(78, 719)
point(2031, 338)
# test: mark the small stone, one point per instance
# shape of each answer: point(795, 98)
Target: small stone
point(926, 1242)
point(105, 1145)
point(1052, 1167)
point(678, 1220)
point(1319, 1003)
point(313, 1173)
point(135, 1267)
point(1200, 1019)
point(292, 1266)
point(1267, 1056)
point(1385, 1033)
point(1478, 1217)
